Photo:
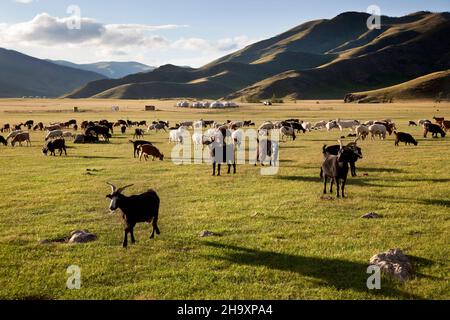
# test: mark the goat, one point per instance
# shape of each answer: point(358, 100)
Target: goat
point(331, 125)
point(123, 129)
point(237, 137)
point(176, 136)
point(53, 145)
point(434, 129)
point(320, 125)
point(439, 120)
point(157, 127)
point(99, 130)
point(135, 209)
point(137, 144)
point(404, 137)
point(6, 128)
point(336, 168)
point(412, 124)
point(307, 126)
point(146, 150)
point(53, 127)
point(297, 126)
point(3, 141)
point(21, 137)
point(13, 134)
point(138, 133)
point(423, 121)
point(362, 131)
point(334, 150)
point(68, 135)
point(287, 132)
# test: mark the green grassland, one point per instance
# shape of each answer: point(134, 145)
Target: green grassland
point(278, 238)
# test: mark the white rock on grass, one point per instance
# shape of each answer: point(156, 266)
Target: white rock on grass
point(81, 236)
point(393, 263)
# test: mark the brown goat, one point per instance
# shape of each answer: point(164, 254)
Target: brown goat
point(147, 150)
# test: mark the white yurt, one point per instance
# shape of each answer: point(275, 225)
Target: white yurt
point(217, 105)
point(230, 104)
point(183, 104)
point(206, 104)
point(197, 105)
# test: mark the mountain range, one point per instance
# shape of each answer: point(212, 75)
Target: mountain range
point(320, 59)
point(109, 69)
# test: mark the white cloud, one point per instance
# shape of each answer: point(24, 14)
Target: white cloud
point(24, 1)
point(46, 36)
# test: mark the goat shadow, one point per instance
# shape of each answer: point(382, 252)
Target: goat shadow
point(99, 157)
point(337, 273)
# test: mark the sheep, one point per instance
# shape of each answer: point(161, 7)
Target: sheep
point(266, 148)
point(221, 153)
point(138, 143)
point(67, 135)
point(412, 124)
point(331, 125)
point(53, 135)
point(52, 127)
point(378, 130)
point(423, 121)
point(287, 132)
point(434, 129)
point(404, 137)
point(21, 137)
point(3, 141)
point(357, 154)
point(138, 133)
point(135, 209)
point(320, 125)
point(362, 131)
point(336, 168)
point(53, 145)
point(237, 137)
point(146, 150)
point(307, 126)
point(13, 134)
point(176, 136)
point(344, 124)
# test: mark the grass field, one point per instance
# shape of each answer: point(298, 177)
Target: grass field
point(278, 238)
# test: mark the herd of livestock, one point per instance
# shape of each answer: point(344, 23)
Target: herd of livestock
point(222, 139)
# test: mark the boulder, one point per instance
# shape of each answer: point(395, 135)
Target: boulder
point(81, 236)
point(393, 263)
point(372, 215)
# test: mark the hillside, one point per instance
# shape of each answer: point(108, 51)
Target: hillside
point(22, 75)
point(321, 59)
point(426, 87)
point(109, 69)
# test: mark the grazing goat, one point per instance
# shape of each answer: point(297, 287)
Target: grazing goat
point(307, 126)
point(138, 133)
point(404, 137)
point(287, 132)
point(135, 209)
point(6, 128)
point(434, 129)
point(439, 120)
point(68, 135)
point(53, 135)
point(412, 124)
point(123, 129)
point(21, 137)
point(336, 168)
point(176, 136)
point(137, 144)
point(53, 145)
point(146, 150)
point(53, 127)
point(157, 127)
point(320, 125)
point(297, 126)
point(13, 134)
point(99, 130)
point(357, 154)
point(3, 141)
point(331, 125)
point(423, 121)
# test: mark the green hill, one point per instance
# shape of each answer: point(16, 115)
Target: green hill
point(426, 87)
point(22, 75)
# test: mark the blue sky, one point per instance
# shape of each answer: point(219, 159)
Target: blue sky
point(184, 32)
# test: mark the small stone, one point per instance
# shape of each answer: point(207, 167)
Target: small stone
point(372, 215)
point(206, 233)
point(393, 263)
point(81, 236)
point(45, 241)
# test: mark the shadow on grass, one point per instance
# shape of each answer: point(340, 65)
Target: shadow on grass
point(433, 202)
point(99, 157)
point(337, 273)
point(389, 170)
